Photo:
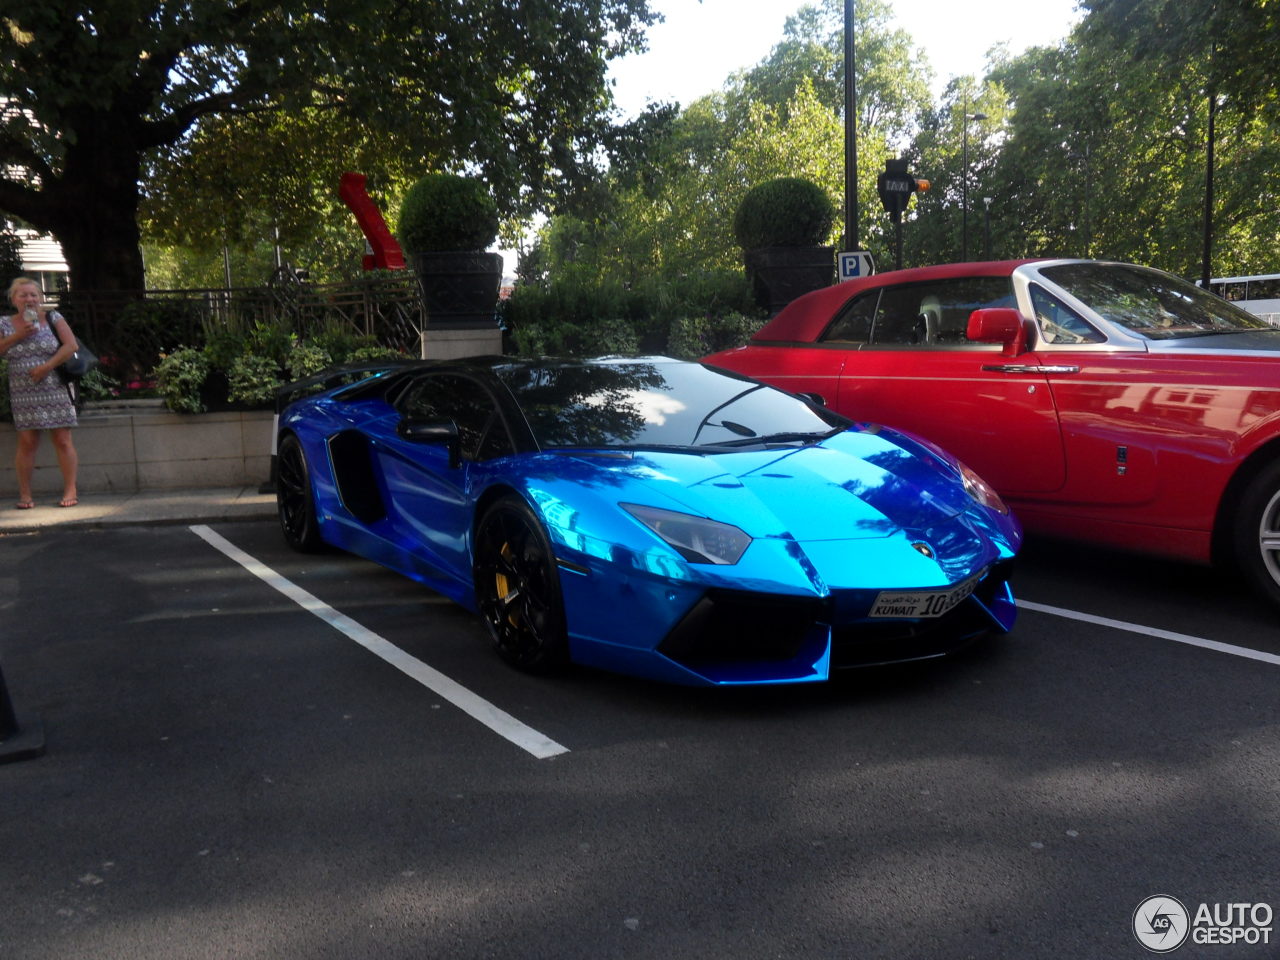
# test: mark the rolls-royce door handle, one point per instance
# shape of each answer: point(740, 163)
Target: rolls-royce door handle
point(1029, 368)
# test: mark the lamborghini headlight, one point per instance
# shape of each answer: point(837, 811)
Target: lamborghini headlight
point(981, 491)
point(697, 539)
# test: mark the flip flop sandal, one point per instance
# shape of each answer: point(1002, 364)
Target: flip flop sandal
point(68, 502)
point(24, 505)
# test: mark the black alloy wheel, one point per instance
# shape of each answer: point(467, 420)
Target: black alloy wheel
point(1257, 532)
point(295, 502)
point(518, 587)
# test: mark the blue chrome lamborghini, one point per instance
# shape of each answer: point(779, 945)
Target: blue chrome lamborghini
point(649, 516)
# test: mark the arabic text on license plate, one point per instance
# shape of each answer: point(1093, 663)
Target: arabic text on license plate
point(921, 603)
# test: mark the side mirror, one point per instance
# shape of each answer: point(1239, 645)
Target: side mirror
point(433, 431)
point(1002, 325)
point(817, 399)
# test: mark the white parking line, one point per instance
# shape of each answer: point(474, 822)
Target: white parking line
point(1152, 632)
point(499, 721)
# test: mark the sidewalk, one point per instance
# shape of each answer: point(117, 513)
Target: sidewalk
point(204, 505)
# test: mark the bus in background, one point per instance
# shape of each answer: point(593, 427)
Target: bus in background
point(1259, 295)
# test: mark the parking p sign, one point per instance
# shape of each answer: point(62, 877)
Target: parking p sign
point(855, 263)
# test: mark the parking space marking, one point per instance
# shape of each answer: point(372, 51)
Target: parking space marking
point(497, 720)
point(1152, 632)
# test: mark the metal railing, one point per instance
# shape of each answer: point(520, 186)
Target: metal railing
point(130, 330)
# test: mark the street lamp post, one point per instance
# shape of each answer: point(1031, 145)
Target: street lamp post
point(1083, 158)
point(1206, 264)
point(850, 134)
point(986, 225)
point(964, 183)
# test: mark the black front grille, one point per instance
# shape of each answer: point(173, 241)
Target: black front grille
point(873, 642)
point(728, 627)
point(869, 644)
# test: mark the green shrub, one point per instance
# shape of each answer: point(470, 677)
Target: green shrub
point(308, 359)
point(97, 385)
point(274, 341)
point(694, 337)
point(786, 212)
point(332, 350)
point(373, 353)
point(580, 317)
point(444, 211)
point(179, 377)
point(253, 380)
point(222, 347)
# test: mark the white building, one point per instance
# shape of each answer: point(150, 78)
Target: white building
point(42, 260)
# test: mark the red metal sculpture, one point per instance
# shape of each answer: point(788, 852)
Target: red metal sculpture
point(385, 252)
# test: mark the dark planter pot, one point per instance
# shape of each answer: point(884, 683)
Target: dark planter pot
point(459, 290)
point(780, 274)
point(213, 392)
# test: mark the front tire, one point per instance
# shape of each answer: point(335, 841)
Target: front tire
point(295, 501)
point(1257, 533)
point(518, 588)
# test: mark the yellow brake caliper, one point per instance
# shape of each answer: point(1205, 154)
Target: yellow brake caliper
point(502, 585)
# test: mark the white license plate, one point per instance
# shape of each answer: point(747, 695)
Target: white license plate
point(910, 604)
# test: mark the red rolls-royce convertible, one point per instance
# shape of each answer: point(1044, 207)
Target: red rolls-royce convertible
point(1106, 402)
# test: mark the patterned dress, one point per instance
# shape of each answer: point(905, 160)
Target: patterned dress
point(36, 406)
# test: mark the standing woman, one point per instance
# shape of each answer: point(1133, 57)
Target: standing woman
point(36, 341)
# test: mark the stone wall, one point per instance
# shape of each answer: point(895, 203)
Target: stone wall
point(140, 445)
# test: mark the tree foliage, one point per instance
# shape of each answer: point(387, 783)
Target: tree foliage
point(1096, 146)
point(1233, 42)
point(1091, 150)
point(514, 89)
point(782, 118)
point(239, 119)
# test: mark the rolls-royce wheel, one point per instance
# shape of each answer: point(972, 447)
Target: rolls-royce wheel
point(1257, 533)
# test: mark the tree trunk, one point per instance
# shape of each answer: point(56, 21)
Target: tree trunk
point(95, 217)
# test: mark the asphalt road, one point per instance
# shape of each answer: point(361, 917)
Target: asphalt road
point(230, 775)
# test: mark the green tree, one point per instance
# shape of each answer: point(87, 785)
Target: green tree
point(1182, 57)
point(932, 230)
point(783, 117)
point(513, 88)
point(249, 182)
point(890, 94)
point(1103, 155)
point(1234, 41)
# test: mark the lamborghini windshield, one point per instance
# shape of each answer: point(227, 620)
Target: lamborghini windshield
point(658, 403)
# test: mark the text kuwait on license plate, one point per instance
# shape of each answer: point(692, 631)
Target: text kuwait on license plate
point(907, 604)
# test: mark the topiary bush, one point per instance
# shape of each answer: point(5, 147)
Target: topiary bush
point(786, 212)
point(445, 211)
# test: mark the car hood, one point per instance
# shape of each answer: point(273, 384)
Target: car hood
point(859, 484)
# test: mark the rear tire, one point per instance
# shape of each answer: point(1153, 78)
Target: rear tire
point(517, 588)
point(295, 501)
point(1256, 535)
